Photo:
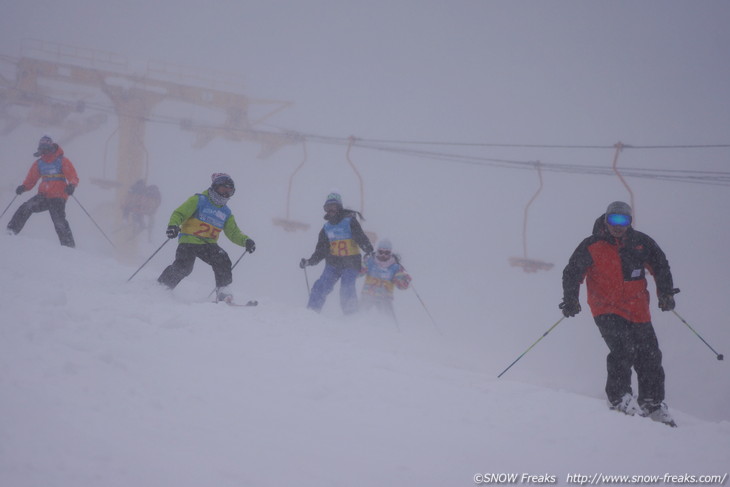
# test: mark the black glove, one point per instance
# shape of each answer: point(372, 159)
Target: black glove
point(666, 300)
point(250, 246)
point(70, 189)
point(303, 263)
point(20, 189)
point(570, 307)
point(173, 231)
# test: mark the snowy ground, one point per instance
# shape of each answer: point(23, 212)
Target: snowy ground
point(106, 383)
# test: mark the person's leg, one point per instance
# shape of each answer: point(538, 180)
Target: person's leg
point(217, 258)
point(34, 205)
point(348, 292)
point(648, 365)
point(386, 307)
point(616, 333)
point(181, 267)
point(322, 287)
point(57, 209)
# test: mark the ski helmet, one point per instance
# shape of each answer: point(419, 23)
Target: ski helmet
point(45, 146)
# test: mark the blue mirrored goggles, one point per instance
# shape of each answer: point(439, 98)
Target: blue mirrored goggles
point(618, 220)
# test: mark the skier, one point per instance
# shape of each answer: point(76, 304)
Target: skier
point(199, 222)
point(140, 205)
point(613, 260)
point(339, 244)
point(382, 273)
point(58, 181)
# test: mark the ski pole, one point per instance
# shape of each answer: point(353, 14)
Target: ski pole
point(145, 262)
point(719, 355)
point(94, 222)
point(523, 353)
point(306, 278)
point(8, 207)
point(239, 259)
point(232, 267)
point(397, 259)
point(426, 309)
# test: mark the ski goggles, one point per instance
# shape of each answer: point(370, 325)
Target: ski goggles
point(225, 190)
point(331, 208)
point(45, 148)
point(618, 220)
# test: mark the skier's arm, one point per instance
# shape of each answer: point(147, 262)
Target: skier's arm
point(234, 233)
point(659, 267)
point(401, 279)
point(34, 174)
point(365, 266)
point(576, 270)
point(69, 172)
point(322, 249)
point(359, 236)
point(184, 211)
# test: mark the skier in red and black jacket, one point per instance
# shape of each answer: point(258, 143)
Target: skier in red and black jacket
point(58, 182)
point(613, 261)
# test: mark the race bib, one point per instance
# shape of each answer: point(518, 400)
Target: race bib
point(344, 248)
point(193, 226)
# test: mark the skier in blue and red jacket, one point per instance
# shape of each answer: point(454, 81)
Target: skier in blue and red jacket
point(58, 182)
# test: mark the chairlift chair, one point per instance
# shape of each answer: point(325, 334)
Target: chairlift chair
point(287, 223)
point(528, 264)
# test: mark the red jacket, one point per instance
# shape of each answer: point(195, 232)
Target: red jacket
point(52, 185)
point(614, 271)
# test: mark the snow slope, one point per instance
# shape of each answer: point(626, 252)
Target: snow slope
point(107, 383)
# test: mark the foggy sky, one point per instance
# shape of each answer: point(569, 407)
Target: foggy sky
point(561, 72)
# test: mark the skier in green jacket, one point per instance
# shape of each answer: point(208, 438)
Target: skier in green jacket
point(198, 222)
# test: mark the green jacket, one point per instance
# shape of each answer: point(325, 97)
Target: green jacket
point(187, 210)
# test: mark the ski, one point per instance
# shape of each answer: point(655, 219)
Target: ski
point(252, 302)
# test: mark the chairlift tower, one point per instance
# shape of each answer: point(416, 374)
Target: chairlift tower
point(44, 68)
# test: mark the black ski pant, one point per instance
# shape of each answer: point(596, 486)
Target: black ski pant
point(632, 345)
point(55, 206)
point(185, 255)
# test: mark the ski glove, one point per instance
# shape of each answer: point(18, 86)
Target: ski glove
point(70, 189)
point(250, 246)
point(173, 231)
point(20, 190)
point(666, 300)
point(303, 263)
point(570, 307)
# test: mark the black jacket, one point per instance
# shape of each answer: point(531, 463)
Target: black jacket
point(322, 251)
point(614, 271)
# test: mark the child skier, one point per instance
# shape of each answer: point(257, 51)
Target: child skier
point(58, 182)
point(199, 222)
point(382, 273)
point(339, 244)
